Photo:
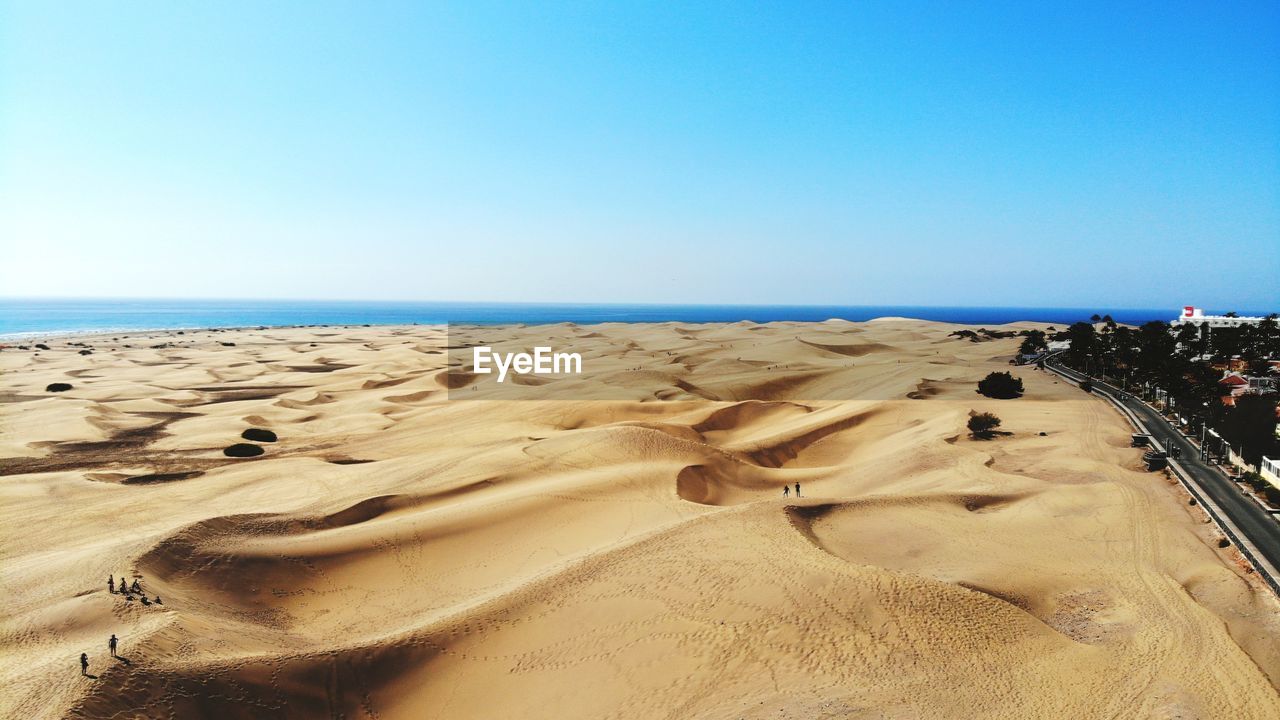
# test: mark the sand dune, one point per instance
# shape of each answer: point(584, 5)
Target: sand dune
point(421, 541)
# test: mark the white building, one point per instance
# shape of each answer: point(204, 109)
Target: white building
point(1270, 471)
point(1195, 316)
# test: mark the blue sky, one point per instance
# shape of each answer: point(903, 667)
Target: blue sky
point(852, 153)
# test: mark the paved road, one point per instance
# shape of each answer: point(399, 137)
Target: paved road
point(1262, 530)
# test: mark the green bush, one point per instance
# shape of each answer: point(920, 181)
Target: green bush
point(1000, 385)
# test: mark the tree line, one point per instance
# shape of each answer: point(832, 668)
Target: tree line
point(1181, 363)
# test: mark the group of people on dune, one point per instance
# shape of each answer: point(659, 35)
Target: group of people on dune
point(128, 591)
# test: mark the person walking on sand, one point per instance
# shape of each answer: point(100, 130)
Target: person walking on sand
point(123, 588)
point(112, 644)
point(797, 489)
point(786, 491)
point(111, 584)
point(84, 663)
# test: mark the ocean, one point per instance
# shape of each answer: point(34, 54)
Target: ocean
point(21, 317)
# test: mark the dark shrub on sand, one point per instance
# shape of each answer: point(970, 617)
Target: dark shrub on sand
point(1000, 385)
point(259, 435)
point(243, 450)
point(57, 387)
point(983, 425)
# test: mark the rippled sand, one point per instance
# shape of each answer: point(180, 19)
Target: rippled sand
point(615, 545)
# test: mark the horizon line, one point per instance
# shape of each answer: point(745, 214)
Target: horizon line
point(1101, 307)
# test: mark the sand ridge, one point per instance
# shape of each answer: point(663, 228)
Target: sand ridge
point(610, 546)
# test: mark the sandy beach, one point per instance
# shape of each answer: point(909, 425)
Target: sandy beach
point(610, 546)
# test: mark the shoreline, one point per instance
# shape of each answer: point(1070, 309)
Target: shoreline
point(8, 340)
point(31, 318)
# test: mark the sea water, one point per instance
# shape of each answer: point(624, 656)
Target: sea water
point(25, 317)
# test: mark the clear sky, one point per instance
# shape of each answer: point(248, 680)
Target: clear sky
point(1018, 153)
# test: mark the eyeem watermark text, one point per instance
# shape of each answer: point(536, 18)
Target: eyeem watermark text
point(542, 362)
